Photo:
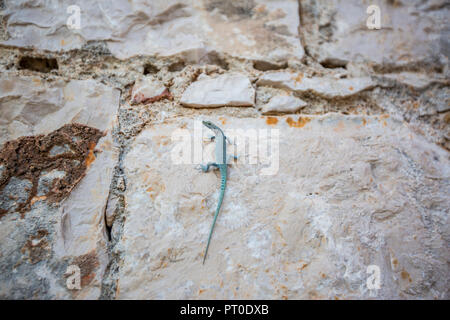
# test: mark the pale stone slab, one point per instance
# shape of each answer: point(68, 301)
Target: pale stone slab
point(415, 80)
point(257, 30)
point(73, 231)
point(348, 192)
point(32, 106)
point(283, 104)
point(147, 89)
point(223, 90)
point(411, 32)
point(323, 86)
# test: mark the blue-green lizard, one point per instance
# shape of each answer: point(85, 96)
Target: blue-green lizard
point(221, 164)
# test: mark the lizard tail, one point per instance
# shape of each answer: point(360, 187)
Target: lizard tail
point(223, 183)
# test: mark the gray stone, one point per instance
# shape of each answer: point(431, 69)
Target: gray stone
point(411, 32)
point(283, 104)
point(148, 89)
point(15, 192)
point(415, 80)
point(257, 30)
point(57, 150)
point(46, 180)
point(322, 86)
point(30, 106)
point(223, 90)
point(335, 204)
point(41, 243)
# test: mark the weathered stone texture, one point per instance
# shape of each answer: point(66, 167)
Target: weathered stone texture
point(411, 32)
point(283, 104)
point(350, 192)
point(253, 29)
point(326, 87)
point(224, 90)
point(89, 174)
point(39, 244)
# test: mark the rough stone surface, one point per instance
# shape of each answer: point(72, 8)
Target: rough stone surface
point(148, 90)
point(31, 106)
point(326, 87)
point(344, 188)
point(411, 32)
point(266, 30)
point(283, 104)
point(88, 175)
point(37, 247)
point(224, 90)
point(414, 80)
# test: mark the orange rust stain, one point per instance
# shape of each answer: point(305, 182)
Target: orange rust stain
point(300, 123)
point(271, 120)
point(152, 194)
point(340, 126)
point(161, 140)
point(279, 230)
point(201, 291)
point(447, 118)
point(364, 121)
point(261, 8)
point(351, 88)
point(7, 85)
point(90, 157)
point(303, 267)
point(298, 78)
point(384, 123)
point(63, 42)
point(405, 276)
point(384, 116)
point(223, 120)
point(395, 262)
point(35, 199)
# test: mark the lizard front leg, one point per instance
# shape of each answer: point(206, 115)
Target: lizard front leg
point(205, 168)
point(209, 138)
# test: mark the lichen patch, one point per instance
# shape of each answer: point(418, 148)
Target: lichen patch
point(31, 158)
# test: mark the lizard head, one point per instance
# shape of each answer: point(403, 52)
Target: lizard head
point(210, 125)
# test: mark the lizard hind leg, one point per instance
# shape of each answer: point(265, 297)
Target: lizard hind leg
point(231, 158)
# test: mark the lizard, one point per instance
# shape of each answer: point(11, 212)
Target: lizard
point(221, 164)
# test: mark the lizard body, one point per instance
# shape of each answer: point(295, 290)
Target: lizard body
point(221, 164)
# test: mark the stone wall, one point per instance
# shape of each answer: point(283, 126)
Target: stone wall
point(341, 134)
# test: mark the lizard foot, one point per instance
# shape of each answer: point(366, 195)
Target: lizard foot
point(205, 168)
